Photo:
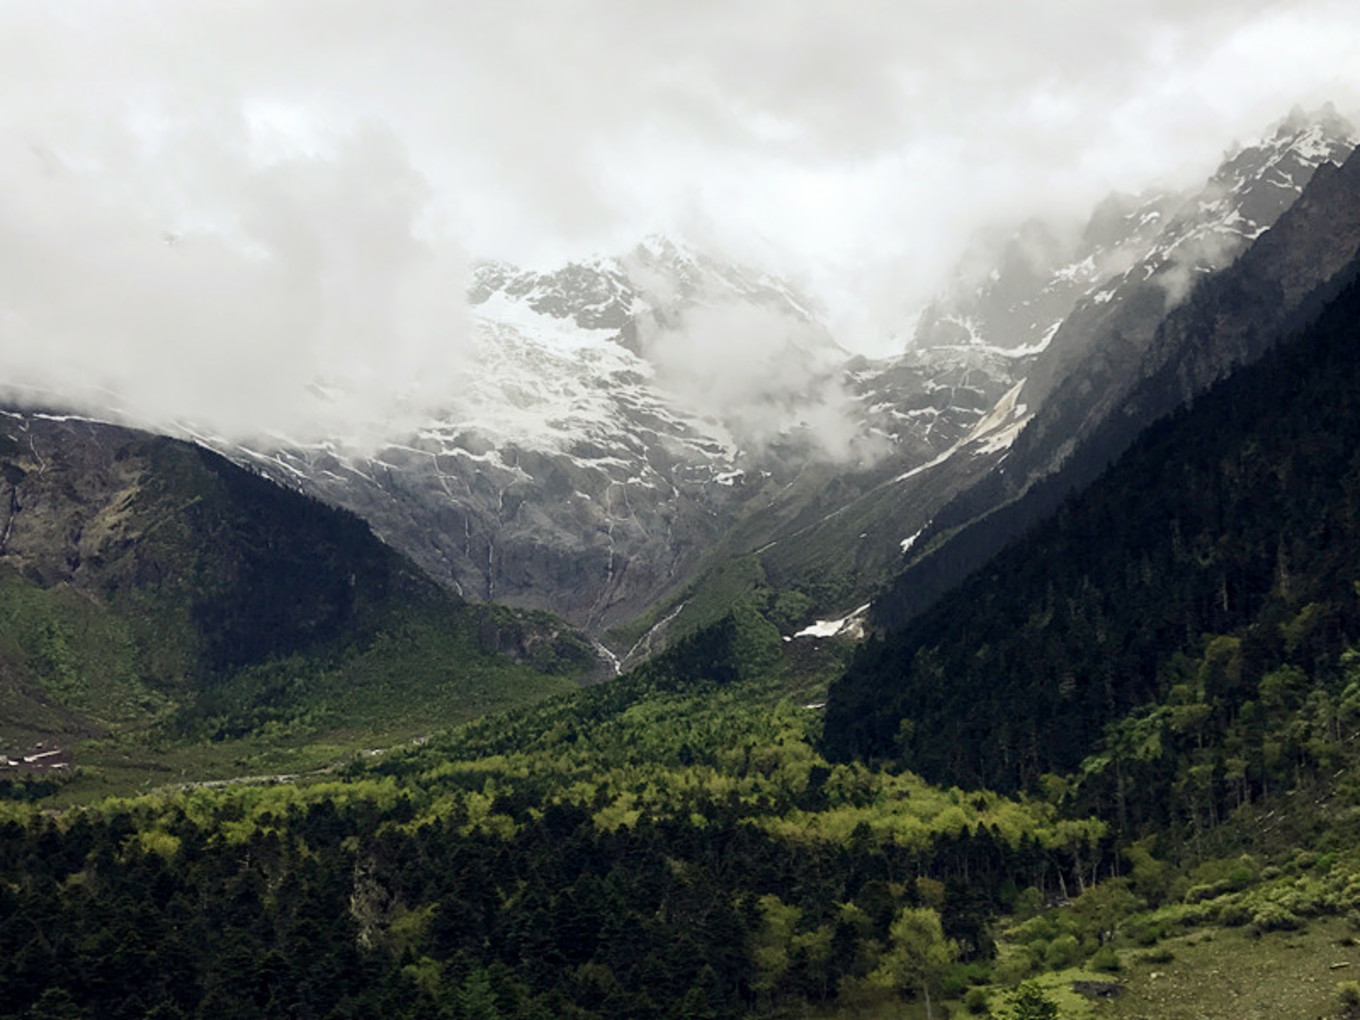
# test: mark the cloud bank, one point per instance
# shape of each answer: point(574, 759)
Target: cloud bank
point(182, 282)
point(208, 205)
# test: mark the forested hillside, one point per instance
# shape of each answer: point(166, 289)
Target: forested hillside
point(654, 847)
point(1126, 749)
point(1206, 581)
point(1158, 686)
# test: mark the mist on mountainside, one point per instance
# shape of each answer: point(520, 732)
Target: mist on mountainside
point(768, 377)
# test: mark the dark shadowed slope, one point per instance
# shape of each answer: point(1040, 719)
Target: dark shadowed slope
point(1236, 518)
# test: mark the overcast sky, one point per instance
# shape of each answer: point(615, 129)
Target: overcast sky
point(291, 182)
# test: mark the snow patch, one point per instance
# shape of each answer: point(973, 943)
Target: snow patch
point(1083, 270)
point(560, 334)
point(1004, 408)
point(851, 624)
point(967, 323)
point(1002, 438)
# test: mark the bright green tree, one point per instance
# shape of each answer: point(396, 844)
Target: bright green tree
point(918, 954)
point(1028, 1002)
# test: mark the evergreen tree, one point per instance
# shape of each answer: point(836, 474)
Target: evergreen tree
point(1028, 1002)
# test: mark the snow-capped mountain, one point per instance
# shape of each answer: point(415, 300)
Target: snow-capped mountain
point(1098, 349)
point(625, 421)
point(1030, 307)
point(1057, 304)
point(1235, 268)
point(1050, 285)
point(591, 457)
point(624, 416)
point(1021, 359)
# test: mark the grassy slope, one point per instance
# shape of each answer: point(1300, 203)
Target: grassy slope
point(1231, 974)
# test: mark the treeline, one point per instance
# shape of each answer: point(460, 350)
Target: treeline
point(1205, 584)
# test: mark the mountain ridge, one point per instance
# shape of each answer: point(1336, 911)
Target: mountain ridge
point(151, 589)
point(628, 421)
point(1242, 532)
point(1130, 379)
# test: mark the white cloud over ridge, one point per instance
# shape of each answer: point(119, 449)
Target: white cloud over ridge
point(293, 298)
point(767, 376)
point(319, 167)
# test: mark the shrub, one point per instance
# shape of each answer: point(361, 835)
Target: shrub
point(1145, 933)
point(1274, 917)
point(1028, 1002)
point(1064, 951)
point(1106, 959)
point(977, 1002)
point(1303, 860)
point(1348, 993)
point(1200, 893)
point(962, 976)
point(1014, 967)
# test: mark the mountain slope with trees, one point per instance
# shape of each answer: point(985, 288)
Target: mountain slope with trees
point(1131, 742)
point(1168, 663)
point(1222, 548)
point(1137, 368)
point(661, 846)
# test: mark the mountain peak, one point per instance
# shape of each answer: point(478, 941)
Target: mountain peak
point(657, 247)
point(1324, 117)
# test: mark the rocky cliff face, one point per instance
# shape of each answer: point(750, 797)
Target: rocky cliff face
point(626, 416)
point(585, 466)
point(609, 434)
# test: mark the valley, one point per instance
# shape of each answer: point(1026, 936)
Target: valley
point(1013, 675)
point(594, 471)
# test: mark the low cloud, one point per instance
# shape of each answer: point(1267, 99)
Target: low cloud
point(177, 278)
point(216, 211)
point(1193, 258)
point(767, 376)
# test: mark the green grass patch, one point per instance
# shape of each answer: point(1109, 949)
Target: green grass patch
point(1228, 974)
